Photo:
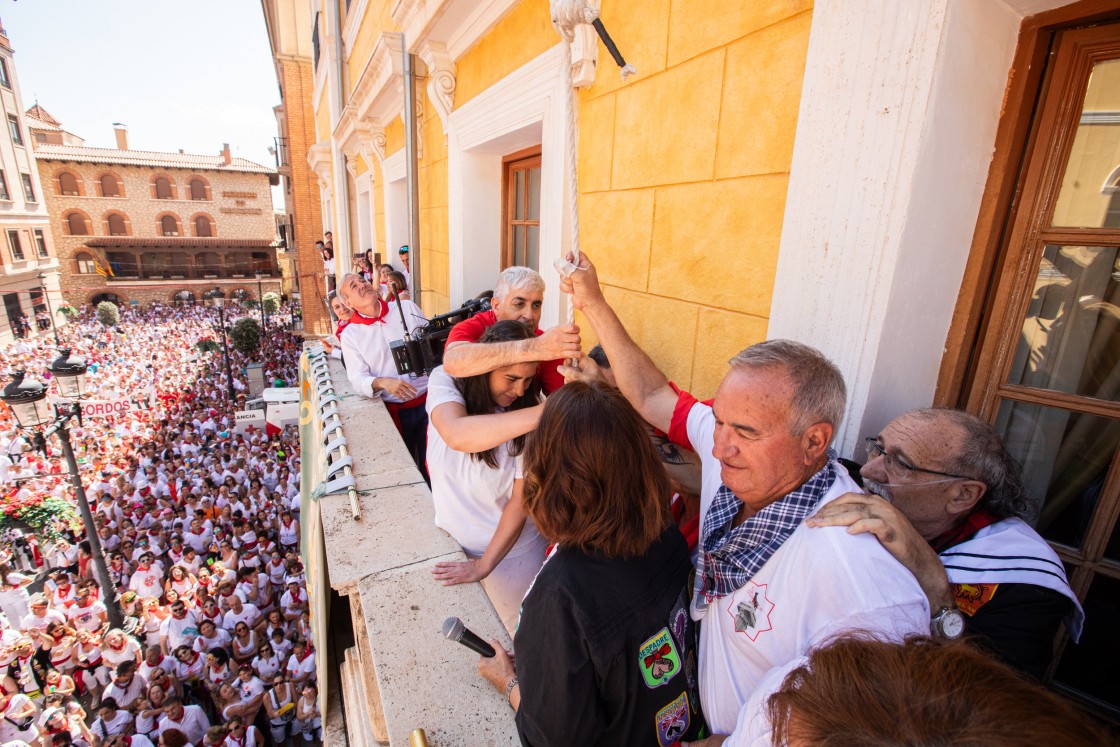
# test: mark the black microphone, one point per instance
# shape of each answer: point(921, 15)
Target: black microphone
point(454, 630)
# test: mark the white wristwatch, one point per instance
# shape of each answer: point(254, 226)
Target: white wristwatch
point(947, 624)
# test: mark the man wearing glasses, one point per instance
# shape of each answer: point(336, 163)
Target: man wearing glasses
point(954, 516)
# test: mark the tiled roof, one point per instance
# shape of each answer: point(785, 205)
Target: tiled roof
point(41, 124)
point(41, 114)
point(83, 154)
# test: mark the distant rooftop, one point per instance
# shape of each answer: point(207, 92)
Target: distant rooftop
point(41, 114)
point(83, 154)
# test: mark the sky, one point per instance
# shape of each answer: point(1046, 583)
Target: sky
point(190, 74)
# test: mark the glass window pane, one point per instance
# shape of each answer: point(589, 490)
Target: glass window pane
point(1070, 339)
point(533, 247)
point(519, 245)
point(1092, 174)
point(518, 194)
point(1080, 667)
point(1064, 457)
point(535, 193)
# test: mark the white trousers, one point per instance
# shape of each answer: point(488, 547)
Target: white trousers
point(506, 585)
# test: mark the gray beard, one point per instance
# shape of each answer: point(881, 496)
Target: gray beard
point(879, 489)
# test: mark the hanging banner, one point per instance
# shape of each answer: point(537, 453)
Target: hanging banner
point(102, 408)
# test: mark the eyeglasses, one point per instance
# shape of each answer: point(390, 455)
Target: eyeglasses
point(875, 449)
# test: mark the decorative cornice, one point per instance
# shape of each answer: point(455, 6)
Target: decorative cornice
point(378, 92)
point(319, 158)
point(441, 79)
point(371, 136)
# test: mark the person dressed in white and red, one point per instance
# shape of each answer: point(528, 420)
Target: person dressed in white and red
point(518, 297)
point(369, 361)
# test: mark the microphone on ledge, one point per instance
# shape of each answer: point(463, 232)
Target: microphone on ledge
point(454, 630)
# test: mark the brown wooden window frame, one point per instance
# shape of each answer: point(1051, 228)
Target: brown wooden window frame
point(521, 160)
point(1032, 147)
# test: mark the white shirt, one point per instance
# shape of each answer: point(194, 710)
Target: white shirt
point(249, 615)
point(367, 351)
point(469, 495)
point(86, 618)
point(147, 583)
point(819, 583)
point(179, 632)
point(297, 667)
point(193, 723)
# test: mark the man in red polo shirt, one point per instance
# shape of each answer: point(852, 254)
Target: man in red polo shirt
point(517, 296)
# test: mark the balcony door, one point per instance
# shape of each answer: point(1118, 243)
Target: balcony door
point(1047, 370)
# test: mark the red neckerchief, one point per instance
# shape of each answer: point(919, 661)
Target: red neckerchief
point(360, 318)
point(303, 658)
point(975, 521)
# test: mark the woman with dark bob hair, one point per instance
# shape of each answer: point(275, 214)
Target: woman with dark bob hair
point(605, 649)
point(475, 442)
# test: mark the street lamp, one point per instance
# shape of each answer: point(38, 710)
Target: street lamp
point(28, 401)
point(47, 298)
point(260, 298)
point(218, 298)
point(70, 373)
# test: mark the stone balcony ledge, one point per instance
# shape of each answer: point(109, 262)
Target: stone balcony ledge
point(402, 674)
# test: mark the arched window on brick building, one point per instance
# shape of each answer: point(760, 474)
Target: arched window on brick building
point(162, 187)
point(200, 190)
point(76, 224)
point(203, 226)
point(84, 263)
point(117, 224)
point(110, 186)
point(69, 184)
point(169, 225)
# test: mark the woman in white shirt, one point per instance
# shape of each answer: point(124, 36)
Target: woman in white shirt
point(14, 599)
point(478, 427)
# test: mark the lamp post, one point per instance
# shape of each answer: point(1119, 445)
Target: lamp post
point(260, 297)
point(50, 311)
point(219, 299)
point(28, 401)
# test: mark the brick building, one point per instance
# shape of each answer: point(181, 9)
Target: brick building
point(28, 265)
point(136, 226)
point(289, 32)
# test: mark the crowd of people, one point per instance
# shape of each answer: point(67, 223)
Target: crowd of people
point(678, 572)
point(199, 525)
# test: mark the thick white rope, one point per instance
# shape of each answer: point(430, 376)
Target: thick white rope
point(566, 15)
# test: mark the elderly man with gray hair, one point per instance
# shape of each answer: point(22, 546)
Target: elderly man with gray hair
point(953, 514)
point(767, 588)
point(369, 360)
point(517, 296)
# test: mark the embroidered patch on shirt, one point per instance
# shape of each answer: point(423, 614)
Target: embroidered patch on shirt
point(751, 610)
point(658, 659)
point(971, 597)
point(673, 721)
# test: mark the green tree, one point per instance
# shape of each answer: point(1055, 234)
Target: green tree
point(271, 302)
point(246, 335)
point(108, 314)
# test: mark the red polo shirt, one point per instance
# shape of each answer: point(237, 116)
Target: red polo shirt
point(470, 330)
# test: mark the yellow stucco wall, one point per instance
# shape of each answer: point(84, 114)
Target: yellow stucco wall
point(683, 172)
point(376, 20)
point(433, 214)
point(377, 194)
point(519, 37)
